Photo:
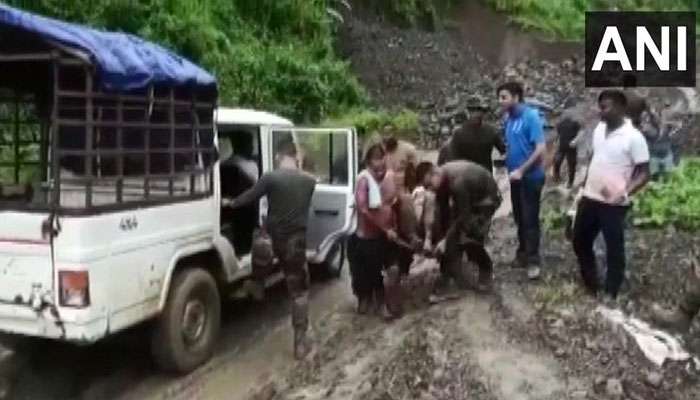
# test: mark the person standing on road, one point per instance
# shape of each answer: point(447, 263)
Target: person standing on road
point(474, 195)
point(567, 129)
point(289, 191)
point(369, 248)
point(524, 159)
point(619, 168)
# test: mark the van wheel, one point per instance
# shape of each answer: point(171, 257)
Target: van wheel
point(185, 333)
point(333, 266)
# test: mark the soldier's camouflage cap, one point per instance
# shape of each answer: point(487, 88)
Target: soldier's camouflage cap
point(477, 103)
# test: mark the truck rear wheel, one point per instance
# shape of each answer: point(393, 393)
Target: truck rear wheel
point(185, 333)
point(333, 265)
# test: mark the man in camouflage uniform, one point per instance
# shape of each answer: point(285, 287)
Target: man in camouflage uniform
point(473, 140)
point(680, 318)
point(474, 195)
point(289, 191)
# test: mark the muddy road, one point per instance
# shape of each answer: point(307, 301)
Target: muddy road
point(525, 341)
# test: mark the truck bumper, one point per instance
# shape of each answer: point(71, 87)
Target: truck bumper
point(23, 320)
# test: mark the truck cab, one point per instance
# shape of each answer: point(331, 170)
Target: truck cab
point(114, 158)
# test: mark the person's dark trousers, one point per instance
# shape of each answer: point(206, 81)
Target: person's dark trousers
point(525, 196)
point(366, 265)
point(591, 218)
point(477, 253)
point(451, 265)
point(404, 259)
point(570, 155)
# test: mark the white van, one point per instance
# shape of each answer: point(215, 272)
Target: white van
point(110, 191)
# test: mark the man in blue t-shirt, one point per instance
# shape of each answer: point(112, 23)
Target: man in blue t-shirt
point(525, 149)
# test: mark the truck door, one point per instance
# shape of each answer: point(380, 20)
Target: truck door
point(330, 155)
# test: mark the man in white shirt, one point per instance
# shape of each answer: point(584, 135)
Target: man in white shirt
point(619, 169)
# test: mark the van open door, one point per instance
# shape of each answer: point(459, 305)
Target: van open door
point(330, 155)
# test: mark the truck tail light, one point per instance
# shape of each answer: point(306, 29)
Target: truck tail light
point(74, 289)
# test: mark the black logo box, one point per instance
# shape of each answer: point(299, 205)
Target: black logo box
point(612, 74)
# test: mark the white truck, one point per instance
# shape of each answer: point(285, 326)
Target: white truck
point(111, 182)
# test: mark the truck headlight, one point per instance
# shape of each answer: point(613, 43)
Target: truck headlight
point(74, 289)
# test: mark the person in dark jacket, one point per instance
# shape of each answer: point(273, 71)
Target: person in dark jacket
point(567, 130)
point(289, 191)
point(473, 141)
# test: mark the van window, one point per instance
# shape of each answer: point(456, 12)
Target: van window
point(323, 154)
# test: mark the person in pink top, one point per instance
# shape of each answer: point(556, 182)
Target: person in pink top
point(369, 248)
point(619, 169)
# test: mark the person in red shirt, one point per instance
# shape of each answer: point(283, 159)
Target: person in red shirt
point(370, 247)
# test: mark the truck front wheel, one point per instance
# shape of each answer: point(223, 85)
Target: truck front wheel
point(185, 333)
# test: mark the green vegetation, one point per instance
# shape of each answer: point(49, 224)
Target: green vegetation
point(553, 219)
point(18, 164)
point(271, 54)
point(553, 293)
point(565, 19)
point(673, 201)
point(367, 122)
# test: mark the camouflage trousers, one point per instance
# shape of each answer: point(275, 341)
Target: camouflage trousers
point(290, 250)
point(470, 240)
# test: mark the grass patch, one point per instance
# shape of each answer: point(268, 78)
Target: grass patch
point(675, 200)
point(553, 220)
point(553, 292)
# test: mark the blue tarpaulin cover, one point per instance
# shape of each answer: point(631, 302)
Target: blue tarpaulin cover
point(123, 62)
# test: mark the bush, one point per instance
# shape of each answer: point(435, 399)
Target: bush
point(566, 19)
point(672, 201)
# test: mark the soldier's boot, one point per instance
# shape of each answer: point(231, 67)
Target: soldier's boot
point(680, 318)
point(485, 283)
point(300, 323)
